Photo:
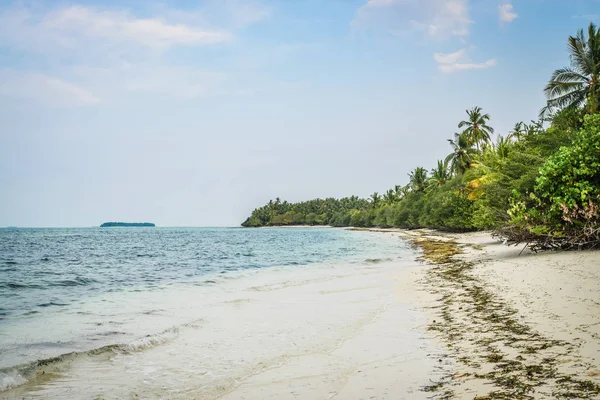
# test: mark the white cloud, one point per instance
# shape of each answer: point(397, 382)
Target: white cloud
point(589, 17)
point(82, 86)
point(450, 58)
point(67, 27)
point(243, 13)
point(120, 26)
point(147, 79)
point(459, 61)
point(45, 89)
point(233, 14)
point(506, 13)
point(87, 55)
point(434, 18)
point(448, 68)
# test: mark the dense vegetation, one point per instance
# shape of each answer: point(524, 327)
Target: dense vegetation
point(539, 184)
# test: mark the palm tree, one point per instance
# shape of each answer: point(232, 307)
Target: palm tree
point(579, 84)
point(418, 179)
point(502, 146)
point(398, 191)
point(462, 153)
point(517, 132)
point(439, 175)
point(375, 199)
point(390, 197)
point(401, 191)
point(533, 128)
point(477, 129)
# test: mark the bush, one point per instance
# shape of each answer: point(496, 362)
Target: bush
point(563, 210)
point(448, 208)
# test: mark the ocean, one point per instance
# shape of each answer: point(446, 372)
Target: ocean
point(189, 312)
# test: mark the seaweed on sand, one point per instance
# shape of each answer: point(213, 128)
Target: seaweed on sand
point(503, 351)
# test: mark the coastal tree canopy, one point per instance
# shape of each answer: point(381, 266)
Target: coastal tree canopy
point(578, 85)
point(536, 184)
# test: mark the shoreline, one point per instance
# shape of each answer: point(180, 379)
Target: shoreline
point(294, 227)
point(473, 320)
point(343, 330)
point(518, 324)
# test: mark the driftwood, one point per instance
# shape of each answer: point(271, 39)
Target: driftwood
point(585, 238)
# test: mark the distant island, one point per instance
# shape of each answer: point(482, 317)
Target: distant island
point(127, 224)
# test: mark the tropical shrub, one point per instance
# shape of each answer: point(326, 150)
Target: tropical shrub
point(563, 209)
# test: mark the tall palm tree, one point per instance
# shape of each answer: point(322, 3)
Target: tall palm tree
point(418, 179)
point(476, 127)
point(439, 176)
point(398, 191)
point(462, 153)
point(375, 199)
point(401, 191)
point(533, 128)
point(578, 84)
point(502, 146)
point(517, 132)
point(390, 197)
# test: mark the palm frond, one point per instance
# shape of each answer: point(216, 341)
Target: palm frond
point(564, 80)
point(568, 75)
point(579, 53)
point(571, 99)
point(571, 87)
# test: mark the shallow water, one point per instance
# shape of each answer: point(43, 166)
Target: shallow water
point(202, 313)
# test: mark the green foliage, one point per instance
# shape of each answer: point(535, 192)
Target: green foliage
point(418, 179)
point(336, 212)
point(476, 192)
point(535, 182)
point(569, 119)
point(439, 176)
point(448, 208)
point(577, 86)
point(462, 154)
point(566, 196)
point(477, 131)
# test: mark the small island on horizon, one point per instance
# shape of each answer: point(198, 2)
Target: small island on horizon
point(127, 224)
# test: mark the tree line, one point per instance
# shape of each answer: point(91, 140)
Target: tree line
point(539, 183)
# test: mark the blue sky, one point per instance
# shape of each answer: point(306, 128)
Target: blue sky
point(192, 113)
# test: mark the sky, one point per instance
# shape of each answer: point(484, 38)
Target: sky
point(193, 113)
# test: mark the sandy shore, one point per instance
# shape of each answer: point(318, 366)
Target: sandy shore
point(340, 330)
point(519, 325)
point(475, 320)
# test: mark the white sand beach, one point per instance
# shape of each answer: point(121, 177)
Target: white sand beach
point(326, 331)
point(519, 324)
point(490, 323)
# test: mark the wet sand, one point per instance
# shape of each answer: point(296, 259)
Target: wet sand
point(313, 332)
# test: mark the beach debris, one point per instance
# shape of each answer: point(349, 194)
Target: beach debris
point(516, 361)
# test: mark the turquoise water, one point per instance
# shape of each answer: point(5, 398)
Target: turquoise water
point(54, 268)
point(74, 290)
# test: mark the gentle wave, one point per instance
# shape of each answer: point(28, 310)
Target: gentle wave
point(79, 281)
point(19, 375)
point(377, 260)
point(68, 273)
point(52, 303)
point(152, 340)
point(11, 378)
point(8, 269)
point(17, 285)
